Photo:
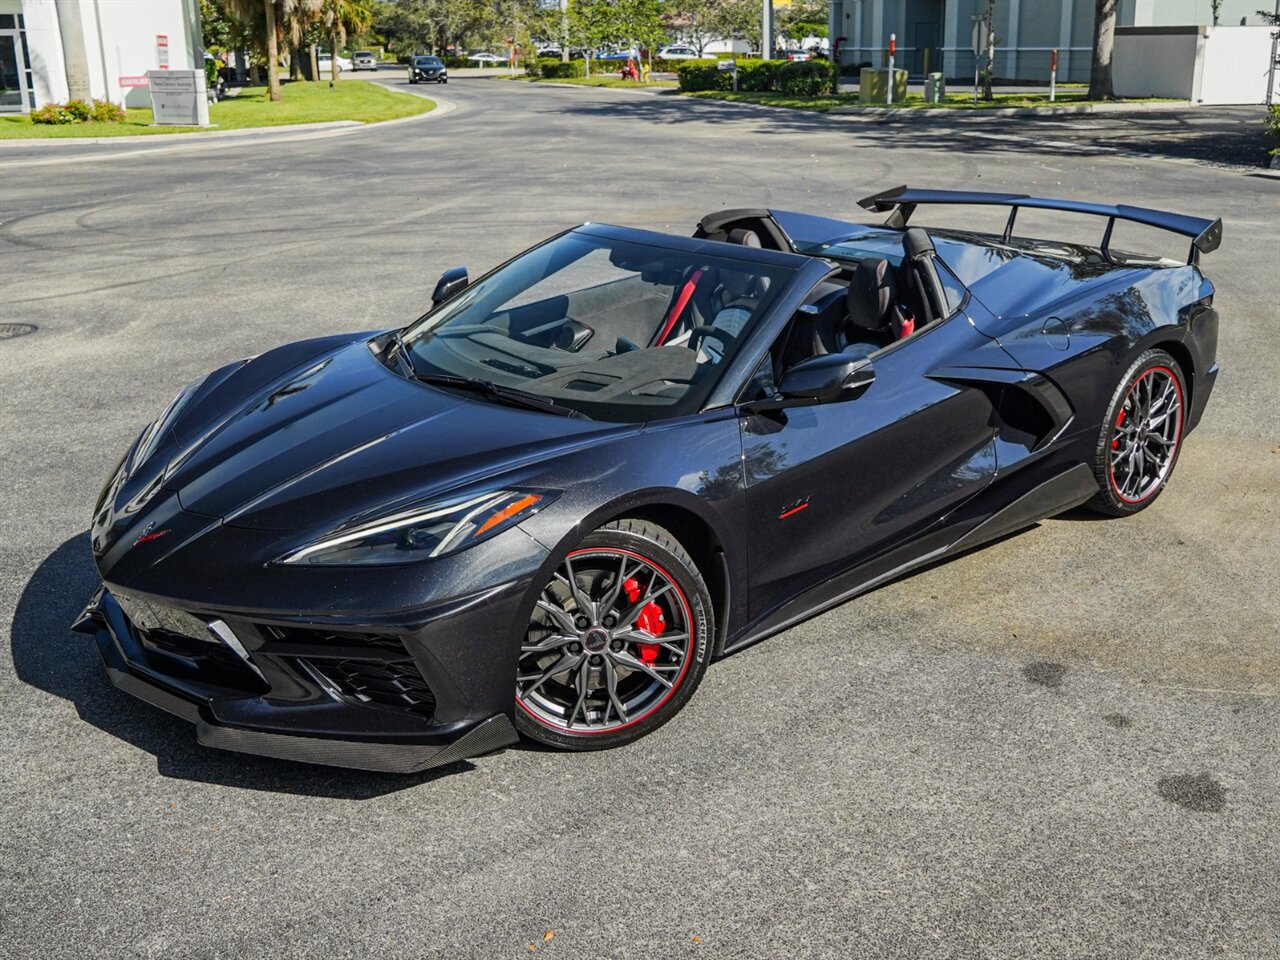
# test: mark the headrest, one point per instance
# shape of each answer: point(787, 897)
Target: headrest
point(744, 238)
point(740, 283)
point(872, 293)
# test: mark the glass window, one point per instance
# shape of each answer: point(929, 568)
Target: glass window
point(952, 288)
point(617, 330)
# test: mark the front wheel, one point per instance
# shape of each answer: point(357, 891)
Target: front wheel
point(617, 640)
point(1141, 437)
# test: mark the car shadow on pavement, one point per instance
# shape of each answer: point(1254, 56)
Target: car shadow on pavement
point(48, 656)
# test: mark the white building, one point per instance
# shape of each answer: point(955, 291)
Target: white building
point(57, 50)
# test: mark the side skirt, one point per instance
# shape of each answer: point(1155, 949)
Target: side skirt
point(1059, 493)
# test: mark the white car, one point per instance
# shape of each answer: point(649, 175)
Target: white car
point(324, 64)
point(678, 53)
point(490, 58)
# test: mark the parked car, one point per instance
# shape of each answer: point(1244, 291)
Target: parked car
point(632, 54)
point(324, 64)
point(678, 53)
point(486, 59)
point(428, 70)
point(363, 60)
point(550, 503)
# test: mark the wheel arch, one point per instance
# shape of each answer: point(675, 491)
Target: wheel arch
point(1186, 363)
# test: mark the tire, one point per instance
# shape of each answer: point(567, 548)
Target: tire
point(617, 567)
point(412, 80)
point(1146, 419)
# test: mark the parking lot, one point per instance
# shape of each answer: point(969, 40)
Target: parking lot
point(1063, 745)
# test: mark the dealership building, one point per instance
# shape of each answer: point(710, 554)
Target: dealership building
point(936, 35)
point(57, 50)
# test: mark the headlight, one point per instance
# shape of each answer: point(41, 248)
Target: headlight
point(153, 435)
point(431, 531)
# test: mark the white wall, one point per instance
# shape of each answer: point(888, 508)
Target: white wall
point(120, 37)
point(1208, 65)
point(1236, 65)
point(1157, 61)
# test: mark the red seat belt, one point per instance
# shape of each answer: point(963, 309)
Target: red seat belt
point(682, 301)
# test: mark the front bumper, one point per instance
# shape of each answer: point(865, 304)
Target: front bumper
point(298, 691)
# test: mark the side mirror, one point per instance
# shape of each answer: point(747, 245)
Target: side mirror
point(824, 379)
point(451, 283)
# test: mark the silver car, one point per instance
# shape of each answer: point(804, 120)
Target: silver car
point(363, 60)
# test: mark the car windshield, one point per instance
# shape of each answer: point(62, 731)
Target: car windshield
point(617, 330)
point(426, 62)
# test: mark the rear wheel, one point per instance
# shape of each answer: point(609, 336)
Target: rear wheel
point(1141, 437)
point(617, 640)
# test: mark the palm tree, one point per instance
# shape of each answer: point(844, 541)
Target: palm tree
point(340, 18)
point(274, 12)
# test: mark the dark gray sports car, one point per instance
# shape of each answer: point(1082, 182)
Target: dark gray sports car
point(548, 504)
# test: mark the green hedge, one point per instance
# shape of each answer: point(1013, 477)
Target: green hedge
point(553, 69)
point(800, 78)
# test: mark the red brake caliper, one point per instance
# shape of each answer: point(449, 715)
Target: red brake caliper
point(651, 620)
point(1119, 420)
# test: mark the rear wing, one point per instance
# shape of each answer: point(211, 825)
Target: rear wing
point(902, 201)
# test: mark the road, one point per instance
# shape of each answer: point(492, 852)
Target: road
point(1064, 745)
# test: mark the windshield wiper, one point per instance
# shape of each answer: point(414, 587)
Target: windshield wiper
point(509, 395)
point(405, 361)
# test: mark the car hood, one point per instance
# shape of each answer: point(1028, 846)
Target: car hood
point(342, 437)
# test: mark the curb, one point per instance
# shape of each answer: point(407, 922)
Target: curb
point(294, 131)
point(284, 133)
point(643, 91)
point(899, 113)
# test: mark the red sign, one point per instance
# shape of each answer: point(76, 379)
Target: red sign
point(133, 81)
point(162, 51)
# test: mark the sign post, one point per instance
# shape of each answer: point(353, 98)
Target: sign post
point(979, 44)
point(893, 49)
point(1053, 76)
point(178, 98)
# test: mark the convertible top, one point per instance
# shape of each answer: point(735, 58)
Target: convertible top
point(902, 201)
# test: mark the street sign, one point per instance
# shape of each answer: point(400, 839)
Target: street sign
point(178, 98)
point(134, 81)
point(162, 51)
point(979, 37)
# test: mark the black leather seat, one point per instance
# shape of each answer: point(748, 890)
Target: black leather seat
point(874, 317)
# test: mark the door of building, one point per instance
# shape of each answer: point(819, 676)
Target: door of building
point(15, 70)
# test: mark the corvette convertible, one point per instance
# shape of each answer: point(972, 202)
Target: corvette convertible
point(547, 505)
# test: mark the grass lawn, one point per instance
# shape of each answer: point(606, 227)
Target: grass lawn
point(954, 101)
point(609, 80)
point(302, 102)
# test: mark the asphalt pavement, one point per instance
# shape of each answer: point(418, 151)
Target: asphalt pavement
point(1064, 745)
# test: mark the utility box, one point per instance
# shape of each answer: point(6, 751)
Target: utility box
point(935, 88)
point(873, 86)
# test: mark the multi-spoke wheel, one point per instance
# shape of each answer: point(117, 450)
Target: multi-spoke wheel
point(1142, 435)
point(617, 640)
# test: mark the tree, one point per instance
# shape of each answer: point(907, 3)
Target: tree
point(342, 18)
point(1104, 37)
point(990, 19)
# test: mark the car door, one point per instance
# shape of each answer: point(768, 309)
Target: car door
point(834, 485)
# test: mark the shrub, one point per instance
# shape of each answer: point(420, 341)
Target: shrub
point(77, 111)
point(104, 111)
point(805, 78)
point(801, 78)
point(699, 75)
point(553, 69)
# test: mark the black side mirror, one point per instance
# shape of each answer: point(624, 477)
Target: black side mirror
point(451, 283)
point(824, 379)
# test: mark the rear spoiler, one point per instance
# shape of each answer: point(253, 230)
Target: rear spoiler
point(902, 201)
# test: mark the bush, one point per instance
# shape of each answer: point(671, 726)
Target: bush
point(699, 75)
point(104, 111)
point(77, 111)
point(801, 78)
point(553, 69)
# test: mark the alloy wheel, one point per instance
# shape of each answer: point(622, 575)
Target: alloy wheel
point(607, 645)
point(1146, 434)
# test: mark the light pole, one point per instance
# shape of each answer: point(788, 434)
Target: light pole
point(766, 30)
